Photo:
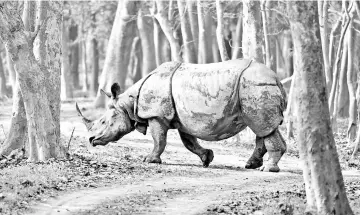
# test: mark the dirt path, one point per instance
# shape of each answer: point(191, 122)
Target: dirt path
point(169, 194)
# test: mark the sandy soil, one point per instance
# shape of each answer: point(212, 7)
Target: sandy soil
point(224, 187)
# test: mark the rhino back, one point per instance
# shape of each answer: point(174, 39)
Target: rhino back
point(154, 97)
point(206, 98)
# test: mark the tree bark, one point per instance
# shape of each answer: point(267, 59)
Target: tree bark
point(288, 53)
point(117, 58)
point(12, 73)
point(219, 31)
point(237, 45)
point(324, 184)
point(252, 39)
point(74, 54)
point(188, 41)
point(266, 36)
point(31, 77)
point(352, 124)
point(145, 27)
point(202, 49)
point(193, 19)
point(67, 87)
point(162, 17)
point(3, 94)
point(323, 20)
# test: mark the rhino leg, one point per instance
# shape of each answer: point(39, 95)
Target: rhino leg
point(256, 160)
point(276, 147)
point(159, 133)
point(191, 143)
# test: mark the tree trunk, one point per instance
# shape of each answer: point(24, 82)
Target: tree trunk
point(288, 53)
point(188, 44)
point(162, 17)
point(157, 41)
point(31, 76)
point(324, 184)
point(352, 124)
point(74, 54)
point(117, 57)
point(336, 73)
point(219, 31)
point(16, 138)
point(266, 36)
point(331, 54)
point(193, 19)
point(145, 27)
point(12, 73)
point(323, 20)
point(202, 49)
point(84, 65)
point(237, 45)
point(2, 81)
point(67, 87)
point(341, 94)
point(95, 67)
point(252, 39)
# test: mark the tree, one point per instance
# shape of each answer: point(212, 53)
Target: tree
point(252, 39)
point(162, 17)
point(2, 80)
point(117, 58)
point(202, 49)
point(67, 87)
point(188, 44)
point(145, 27)
point(35, 82)
point(219, 31)
point(324, 184)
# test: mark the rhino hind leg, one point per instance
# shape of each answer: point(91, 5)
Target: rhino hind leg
point(276, 147)
point(191, 143)
point(159, 133)
point(256, 160)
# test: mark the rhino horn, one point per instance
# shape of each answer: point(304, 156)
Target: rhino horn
point(88, 123)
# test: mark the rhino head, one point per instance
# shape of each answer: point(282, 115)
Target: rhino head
point(117, 121)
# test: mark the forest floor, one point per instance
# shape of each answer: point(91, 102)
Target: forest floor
point(114, 180)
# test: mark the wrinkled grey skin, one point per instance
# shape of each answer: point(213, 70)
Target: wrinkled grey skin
point(206, 101)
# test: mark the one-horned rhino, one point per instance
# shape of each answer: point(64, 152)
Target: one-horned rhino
point(206, 101)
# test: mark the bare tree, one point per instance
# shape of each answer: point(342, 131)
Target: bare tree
point(321, 169)
point(67, 87)
point(188, 44)
point(42, 129)
point(117, 58)
point(2, 80)
point(219, 31)
point(165, 24)
point(145, 27)
point(252, 39)
point(202, 49)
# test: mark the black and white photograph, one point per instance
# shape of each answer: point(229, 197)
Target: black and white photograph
point(180, 107)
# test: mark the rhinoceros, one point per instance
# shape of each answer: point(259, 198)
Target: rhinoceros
point(206, 101)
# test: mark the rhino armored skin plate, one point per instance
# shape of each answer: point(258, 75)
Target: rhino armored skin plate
point(206, 101)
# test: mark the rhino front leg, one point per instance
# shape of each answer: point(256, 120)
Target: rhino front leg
point(256, 160)
point(159, 133)
point(191, 143)
point(276, 147)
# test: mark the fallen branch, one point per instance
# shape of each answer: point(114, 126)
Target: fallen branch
point(71, 136)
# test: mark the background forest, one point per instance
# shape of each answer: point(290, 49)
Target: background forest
point(53, 53)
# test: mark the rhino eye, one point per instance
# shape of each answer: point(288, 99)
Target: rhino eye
point(103, 122)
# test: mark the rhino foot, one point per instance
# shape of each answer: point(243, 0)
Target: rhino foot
point(152, 159)
point(207, 157)
point(254, 163)
point(270, 168)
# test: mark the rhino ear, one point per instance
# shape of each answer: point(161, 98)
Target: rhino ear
point(115, 89)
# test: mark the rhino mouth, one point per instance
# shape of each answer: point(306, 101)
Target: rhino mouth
point(95, 141)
